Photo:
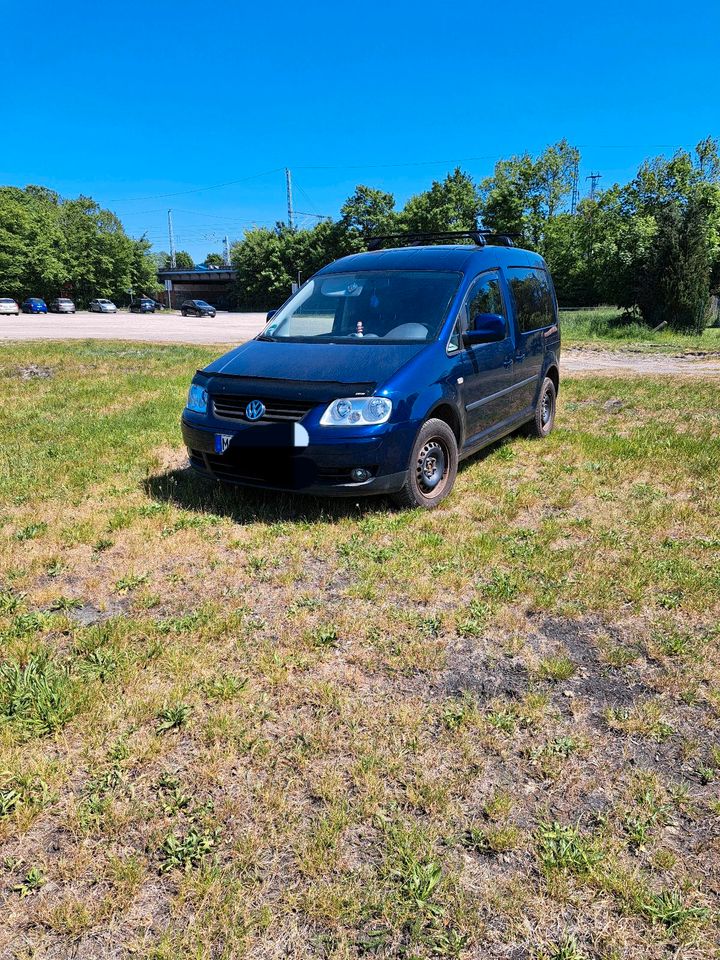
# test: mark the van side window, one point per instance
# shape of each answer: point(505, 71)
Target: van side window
point(485, 296)
point(534, 302)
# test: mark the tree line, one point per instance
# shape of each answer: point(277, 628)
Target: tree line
point(52, 247)
point(651, 246)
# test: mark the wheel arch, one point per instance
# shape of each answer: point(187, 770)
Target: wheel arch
point(554, 374)
point(446, 411)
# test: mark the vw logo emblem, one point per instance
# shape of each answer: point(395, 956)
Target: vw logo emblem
point(255, 409)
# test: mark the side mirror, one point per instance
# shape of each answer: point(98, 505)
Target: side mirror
point(486, 328)
point(270, 315)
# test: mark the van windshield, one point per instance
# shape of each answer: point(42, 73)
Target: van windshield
point(369, 306)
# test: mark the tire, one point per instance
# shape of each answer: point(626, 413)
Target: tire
point(183, 313)
point(544, 420)
point(432, 468)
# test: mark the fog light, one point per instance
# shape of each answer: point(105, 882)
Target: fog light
point(360, 474)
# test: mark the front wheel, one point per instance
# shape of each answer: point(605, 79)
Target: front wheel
point(432, 468)
point(544, 419)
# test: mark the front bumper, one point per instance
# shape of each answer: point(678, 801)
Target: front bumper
point(321, 468)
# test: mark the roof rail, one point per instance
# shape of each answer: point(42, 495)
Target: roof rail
point(479, 237)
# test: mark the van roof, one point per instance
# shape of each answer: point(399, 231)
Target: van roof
point(460, 257)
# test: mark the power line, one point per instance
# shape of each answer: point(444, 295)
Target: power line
point(182, 193)
point(217, 216)
point(387, 166)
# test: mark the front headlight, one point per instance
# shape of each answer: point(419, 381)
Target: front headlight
point(197, 398)
point(357, 412)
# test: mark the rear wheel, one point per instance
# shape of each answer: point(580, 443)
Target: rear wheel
point(544, 419)
point(432, 468)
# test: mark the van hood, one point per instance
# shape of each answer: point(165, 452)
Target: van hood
point(371, 364)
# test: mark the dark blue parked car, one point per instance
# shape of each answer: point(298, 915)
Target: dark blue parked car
point(34, 305)
point(382, 372)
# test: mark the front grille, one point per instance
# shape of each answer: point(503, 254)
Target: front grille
point(233, 408)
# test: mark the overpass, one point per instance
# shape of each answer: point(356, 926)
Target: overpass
point(214, 284)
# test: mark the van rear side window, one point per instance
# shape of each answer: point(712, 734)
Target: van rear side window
point(532, 293)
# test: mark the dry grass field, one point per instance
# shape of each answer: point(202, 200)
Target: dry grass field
point(240, 724)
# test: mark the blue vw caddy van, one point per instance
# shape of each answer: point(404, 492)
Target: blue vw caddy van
point(384, 371)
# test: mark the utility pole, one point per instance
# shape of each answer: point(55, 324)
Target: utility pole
point(173, 262)
point(593, 178)
point(226, 247)
point(288, 184)
point(574, 197)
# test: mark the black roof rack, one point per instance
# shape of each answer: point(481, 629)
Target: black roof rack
point(479, 237)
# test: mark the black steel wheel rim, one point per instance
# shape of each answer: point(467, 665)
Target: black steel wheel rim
point(431, 467)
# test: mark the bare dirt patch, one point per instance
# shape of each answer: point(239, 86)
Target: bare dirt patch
point(585, 361)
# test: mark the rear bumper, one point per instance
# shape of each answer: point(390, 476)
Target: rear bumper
point(320, 468)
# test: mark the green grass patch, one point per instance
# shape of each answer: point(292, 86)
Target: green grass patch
point(251, 724)
point(605, 327)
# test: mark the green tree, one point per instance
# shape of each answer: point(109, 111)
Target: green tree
point(143, 270)
point(183, 261)
point(31, 243)
point(639, 223)
point(214, 260)
point(450, 204)
point(263, 278)
point(675, 281)
point(524, 195)
point(97, 252)
point(268, 262)
point(50, 246)
point(369, 212)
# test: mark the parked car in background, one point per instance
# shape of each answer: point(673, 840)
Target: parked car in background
point(143, 305)
point(197, 308)
point(62, 305)
point(9, 306)
point(384, 371)
point(34, 305)
point(102, 306)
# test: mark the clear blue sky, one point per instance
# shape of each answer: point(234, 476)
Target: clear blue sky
point(129, 101)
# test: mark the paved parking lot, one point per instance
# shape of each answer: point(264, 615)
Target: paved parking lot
point(231, 328)
point(155, 327)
